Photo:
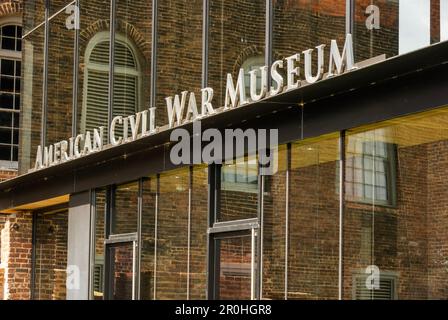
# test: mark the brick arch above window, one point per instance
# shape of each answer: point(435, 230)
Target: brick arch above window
point(137, 38)
point(246, 53)
point(11, 8)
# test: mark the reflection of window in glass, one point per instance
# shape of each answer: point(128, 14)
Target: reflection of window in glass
point(370, 173)
point(241, 175)
point(126, 81)
point(386, 291)
point(125, 208)
point(252, 63)
point(10, 81)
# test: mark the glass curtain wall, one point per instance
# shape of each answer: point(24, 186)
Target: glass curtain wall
point(92, 101)
point(236, 39)
point(395, 221)
point(61, 51)
point(302, 25)
point(394, 27)
point(173, 237)
point(179, 52)
point(32, 84)
point(132, 57)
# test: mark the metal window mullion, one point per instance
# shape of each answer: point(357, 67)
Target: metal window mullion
point(287, 187)
point(139, 238)
point(92, 252)
point(111, 63)
point(43, 131)
point(210, 242)
point(33, 256)
point(269, 36)
point(259, 282)
point(349, 16)
point(341, 212)
point(190, 197)
point(156, 214)
point(75, 74)
point(153, 89)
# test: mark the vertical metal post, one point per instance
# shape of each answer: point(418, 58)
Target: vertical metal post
point(76, 72)
point(33, 257)
point(152, 102)
point(252, 266)
point(287, 187)
point(139, 237)
point(190, 196)
point(349, 16)
point(111, 63)
point(205, 36)
point(341, 211)
point(259, 240)
point(92, 241)
point(268, 35)
point(156, 215)
point(45, 76)
point(210, 241)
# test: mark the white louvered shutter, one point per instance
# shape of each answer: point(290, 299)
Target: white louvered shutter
point(125, 85)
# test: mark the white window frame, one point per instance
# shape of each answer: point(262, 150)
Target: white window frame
point(12, 20)
point(104, 36)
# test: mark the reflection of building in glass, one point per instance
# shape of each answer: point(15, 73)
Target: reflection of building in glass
point(10, 82)
point(362, 161)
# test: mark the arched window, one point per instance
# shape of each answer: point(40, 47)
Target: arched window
point(10, 81)
point(252, 63)
point(96, 81)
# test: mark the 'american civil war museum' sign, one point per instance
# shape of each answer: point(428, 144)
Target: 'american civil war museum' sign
point(184, 108)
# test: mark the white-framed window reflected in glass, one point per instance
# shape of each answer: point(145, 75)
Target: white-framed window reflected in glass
point(96, 85)
point(10, 83)
point(370, 172)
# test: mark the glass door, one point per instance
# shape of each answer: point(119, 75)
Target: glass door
point(235, 265)
point(121, 270)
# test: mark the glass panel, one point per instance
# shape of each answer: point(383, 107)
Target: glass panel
point(149, 198)
point(51, 256)
point(395, 239)
point(57, 5)
point(33, 14)
point(172, 236)
point(302, 25)
point(125, 209)
point(31, 116)
point(235, 41)
point(93, 93)
point(98, 268)
point(274, 229)
point(60, 80)
point(313, 220)
point(179, 53)
point(132, 57)
point(121, 271)
point(394, 27)
point(6, 119)
point(234, 268)
point(239, 190)
point(198, 241)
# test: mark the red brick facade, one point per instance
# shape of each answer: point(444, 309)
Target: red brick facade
point(407, 240)
point(16, 256)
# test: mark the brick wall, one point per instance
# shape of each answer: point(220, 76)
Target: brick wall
point(16, 256)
